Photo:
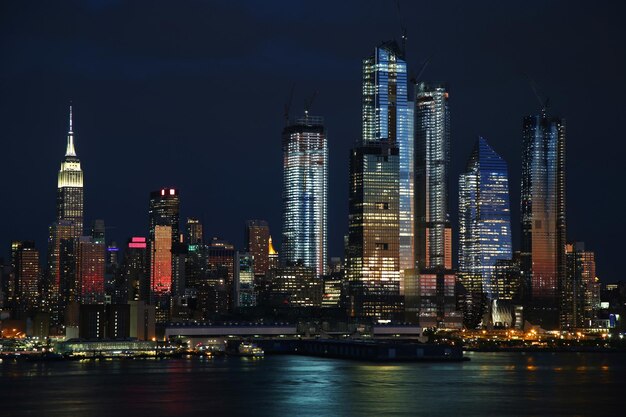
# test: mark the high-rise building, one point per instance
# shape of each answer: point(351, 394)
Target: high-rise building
point(221, 271)
point(194, 231)
point(245, 294)
point(380, 233)
point(27, 277)
point(135, 269)
point(388, 117)
point(580, 294)
point(484, 219)
point(164, 210)
point(433, 233)
point(373, 229)
point(543, 216)
point(90, 267)
point(256, 241)
point(61, 277)
point(70, 186)
point(305, 193)
point(161, 271)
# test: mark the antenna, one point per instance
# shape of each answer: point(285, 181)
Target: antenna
point(288, 103)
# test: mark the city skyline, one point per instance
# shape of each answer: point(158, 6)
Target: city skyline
point(197, 202)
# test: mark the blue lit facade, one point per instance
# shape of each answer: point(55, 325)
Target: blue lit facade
point(305, 194)
point(388, 117)
point(484, 219)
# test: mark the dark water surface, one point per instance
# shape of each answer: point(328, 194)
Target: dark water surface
point(495, 384)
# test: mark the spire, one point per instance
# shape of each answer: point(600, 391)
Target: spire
point(70, 151)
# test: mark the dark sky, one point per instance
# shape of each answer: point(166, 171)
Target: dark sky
point(191, 94)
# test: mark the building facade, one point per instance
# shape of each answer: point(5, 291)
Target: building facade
point(543, 217)
point(484, 219)
point(305, 193)
point(256, 242)
point(433, 233)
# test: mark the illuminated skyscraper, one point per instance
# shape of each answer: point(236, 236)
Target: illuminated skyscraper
point(161, 271)
point(256, 241)
point(543, 216)
point(70, 186)
point(305, 193)
point(164, 211)
point(90, 268)
point(65, 231)
point(194, 231)
point(484, 219)
point(433, 234)
point(27, 278)
point(272, 255)
point(580, 295)
point(379, 230)
point(135, 270)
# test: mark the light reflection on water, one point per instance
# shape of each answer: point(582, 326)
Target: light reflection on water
point(490, 384)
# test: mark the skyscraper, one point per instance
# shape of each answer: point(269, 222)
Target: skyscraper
point(305, 193)
point(90, 268)
point(164, 210)
point(135, 270)
point(433, 234)
point(484, 219)
point(65, 231)
point(543, 216)
point(161, 271)
point(256, 241)
point(581, 291)
point(70, 186)
point(27, 277)
point(194, 231)
point(388, 117)
point(380, 182)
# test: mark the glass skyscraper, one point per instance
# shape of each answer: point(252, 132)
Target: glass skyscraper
point(433, 234)
point(543, 216)
point(379, 230)
point(305, 193)
point(484, 219)
point(388, 117)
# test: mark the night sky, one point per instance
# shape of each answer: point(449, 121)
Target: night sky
point(191, 94)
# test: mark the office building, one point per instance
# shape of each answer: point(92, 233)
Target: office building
point(484, 219)
point(433, 233)
point(164, 210)
point(245, 292)
point(161, 271)
point(295, 286)
point(90, 268)
point(543, 217)
point(305, 193)
point(256, 242)
point(194, 231)
point(27, 278)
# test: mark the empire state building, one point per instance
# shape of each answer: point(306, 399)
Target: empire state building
point(70, 186)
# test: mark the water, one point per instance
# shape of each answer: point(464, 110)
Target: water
point(495, 384)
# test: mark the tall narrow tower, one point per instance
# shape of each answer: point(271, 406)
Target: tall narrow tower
point(70, 185)
point(379, 226)
point(433, 234)
point(305, 193)
point(543, 260)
